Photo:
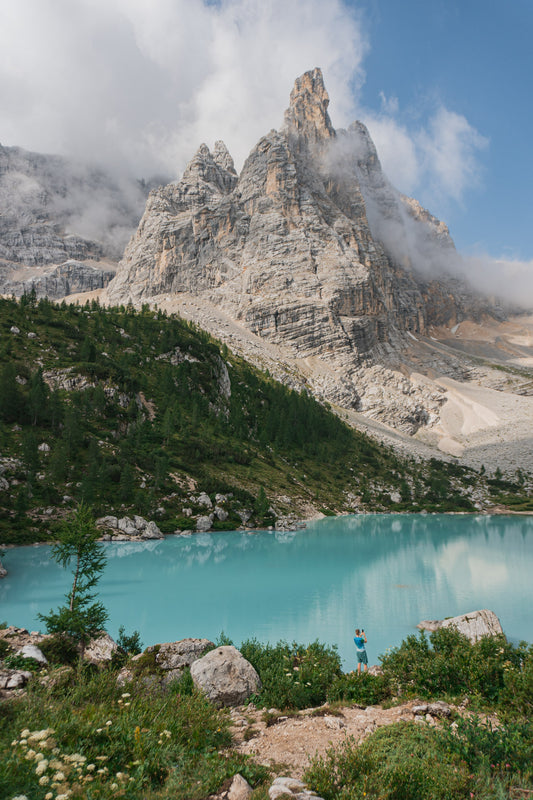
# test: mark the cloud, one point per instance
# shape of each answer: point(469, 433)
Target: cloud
point(141, 83)
point(506, 279)
point(438, 160)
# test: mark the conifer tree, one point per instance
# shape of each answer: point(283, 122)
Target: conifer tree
point(77, 547)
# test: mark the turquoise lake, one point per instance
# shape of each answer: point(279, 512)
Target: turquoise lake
point(381, 572)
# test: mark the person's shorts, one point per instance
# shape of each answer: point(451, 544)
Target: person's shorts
point(362, 657)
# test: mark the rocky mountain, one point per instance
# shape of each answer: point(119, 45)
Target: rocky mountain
point(62, 224)
point(309, 248)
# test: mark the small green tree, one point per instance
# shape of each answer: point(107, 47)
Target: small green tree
point(77, 546)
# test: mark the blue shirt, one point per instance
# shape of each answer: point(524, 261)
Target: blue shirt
point(359, 642)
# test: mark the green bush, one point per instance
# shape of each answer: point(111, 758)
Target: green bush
point(517, 695)
point(22, 662)
point(487, 747)
point(400, 762)
point(59, 649)
point(366, 689)
point(292, 676)
point(448, 663)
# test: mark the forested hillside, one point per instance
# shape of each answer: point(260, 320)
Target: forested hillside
point(134, 412)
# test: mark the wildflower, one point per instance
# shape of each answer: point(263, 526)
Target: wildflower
point(127, 704)
point(64, 796)
point(30, 755)
point(49, 796)
point(39, 757)
point(99, 730)
point(109, 722)
point(102, 758)
point(59, 776)
point(20, 797)
point(114, 787)
point(14, 743)
point(102, 771)
point(43, 780)
point(56, 764)
point(25, 733)
point(125, 694)
point(90, 767)
point(41, 768)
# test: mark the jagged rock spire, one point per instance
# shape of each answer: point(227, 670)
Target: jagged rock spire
point(307, 115)
point(222, 157)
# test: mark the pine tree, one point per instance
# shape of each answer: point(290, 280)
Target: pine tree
point(77, 546)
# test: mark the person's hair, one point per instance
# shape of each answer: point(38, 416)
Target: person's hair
point(357, 631)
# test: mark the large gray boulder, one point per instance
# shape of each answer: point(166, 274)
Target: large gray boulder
point(474, 624)
point(169, 661)
point(225, 676)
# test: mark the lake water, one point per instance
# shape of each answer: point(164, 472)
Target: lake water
point(381, 572)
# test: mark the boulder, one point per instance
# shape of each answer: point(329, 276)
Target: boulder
point(32, 651)
point(14, 678)
point(225, 676)
point(171, 658)
point(204, 500)
point(127, 525)
point(100, 649)
point(221, 513)
point(203, 524)
point(151, 531)
point(240, 789)
point(290, 787)
point(474, 624)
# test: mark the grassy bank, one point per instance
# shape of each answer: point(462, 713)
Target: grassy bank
point(77, 731)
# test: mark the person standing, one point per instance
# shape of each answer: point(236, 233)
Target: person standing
point(362, 658)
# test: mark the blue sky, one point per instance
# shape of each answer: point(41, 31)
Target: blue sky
point(475, 57)
point(443, 86)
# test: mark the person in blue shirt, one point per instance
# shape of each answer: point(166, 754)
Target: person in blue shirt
point(362, 658)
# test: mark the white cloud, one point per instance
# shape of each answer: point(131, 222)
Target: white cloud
point(506, 279)
point(436, 161)
point(143, 82)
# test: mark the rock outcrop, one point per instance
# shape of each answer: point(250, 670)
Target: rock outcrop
point(311, 248)
point(474, 625)
point(225, 676)
point(54, 211)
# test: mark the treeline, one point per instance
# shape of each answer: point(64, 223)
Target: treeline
point(121, 409)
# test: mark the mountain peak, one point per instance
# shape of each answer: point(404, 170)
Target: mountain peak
point(307, 115)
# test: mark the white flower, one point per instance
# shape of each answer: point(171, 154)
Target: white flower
point(59, 776)
point(43, 780)
point(41, 767)
point(25, 733)
point(91, 767)
point(126, 694)
point(109, 722)
point(30, 755)
point(39, 757)
point(114, 787)
point(49, 796)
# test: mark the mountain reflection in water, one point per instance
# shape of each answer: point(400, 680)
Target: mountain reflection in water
point(381, 572)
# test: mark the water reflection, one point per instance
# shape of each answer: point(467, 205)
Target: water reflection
point(382, 572)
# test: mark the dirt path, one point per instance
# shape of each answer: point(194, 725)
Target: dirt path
point(287, 745)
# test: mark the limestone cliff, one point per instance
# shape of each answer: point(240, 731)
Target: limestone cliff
point(310, 247)
point(53, 211)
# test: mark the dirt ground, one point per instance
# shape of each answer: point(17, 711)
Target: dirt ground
point(288, 745)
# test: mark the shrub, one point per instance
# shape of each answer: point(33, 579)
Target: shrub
point(485, 747)
point(293, 676)
point(59, 649)
point(448, 663)
point(22, 662)
point(365, 689)
point(401, 762)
